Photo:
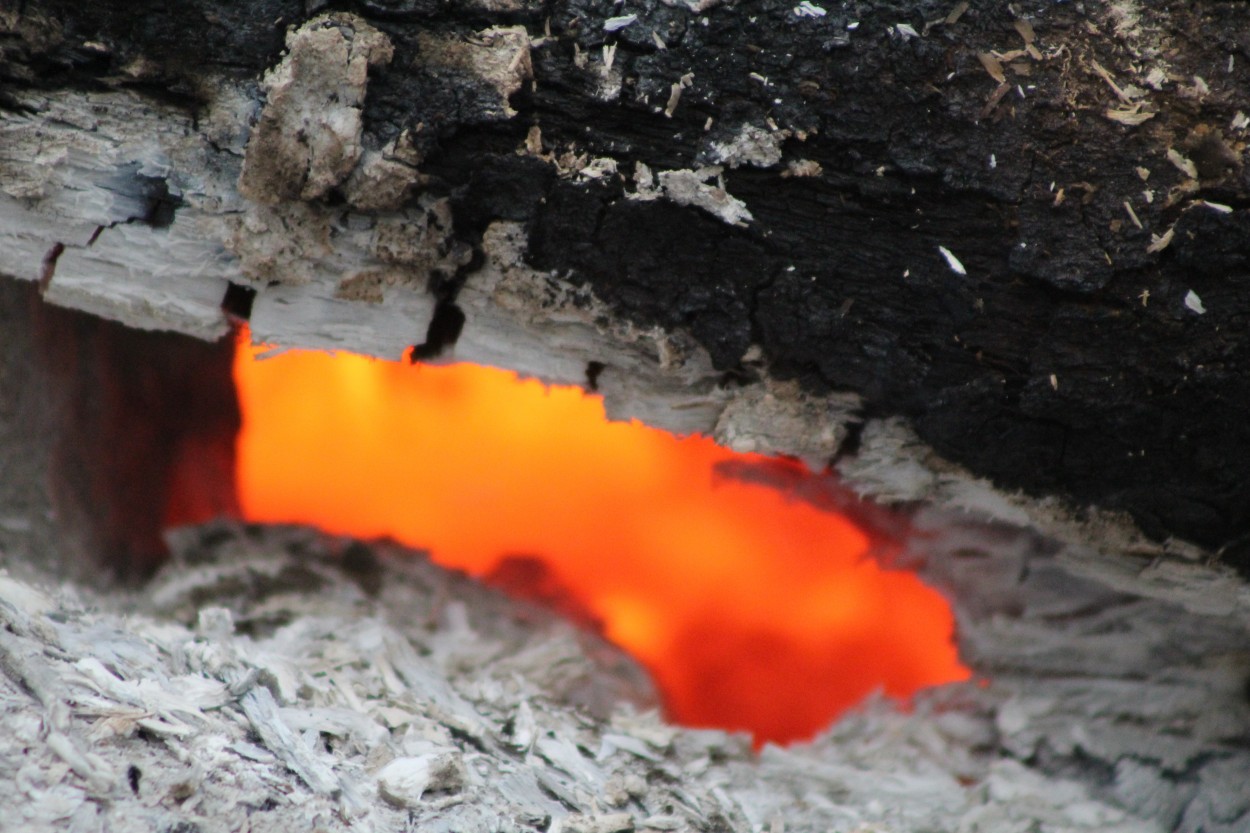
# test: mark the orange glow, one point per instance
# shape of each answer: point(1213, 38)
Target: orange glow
point(751, 610)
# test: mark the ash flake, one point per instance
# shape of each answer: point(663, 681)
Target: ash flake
point(809, 9)
point(1217, 207)
point(952, 261)
point(615, 24)
point(904, 30)
point(1194, 303)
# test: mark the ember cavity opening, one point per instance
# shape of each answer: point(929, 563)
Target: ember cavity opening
point(752, 610)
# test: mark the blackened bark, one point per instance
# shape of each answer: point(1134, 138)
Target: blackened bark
point(1047, 274)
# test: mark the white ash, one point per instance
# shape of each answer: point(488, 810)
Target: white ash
point(257, 680)
point(703, 188)
point(750, 145)
point(405, 781)
point(767, 419)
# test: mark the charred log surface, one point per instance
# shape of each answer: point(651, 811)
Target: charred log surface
point(1022, 227)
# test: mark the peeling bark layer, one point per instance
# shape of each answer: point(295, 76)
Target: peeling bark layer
point(1020, 227)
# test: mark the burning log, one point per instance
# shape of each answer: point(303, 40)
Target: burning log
point(907, 240)
point(295, 663)
point(1013, 227)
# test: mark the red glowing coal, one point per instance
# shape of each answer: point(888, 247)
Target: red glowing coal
point(752, 610)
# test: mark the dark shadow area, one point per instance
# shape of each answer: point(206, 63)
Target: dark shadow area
point(109, 435)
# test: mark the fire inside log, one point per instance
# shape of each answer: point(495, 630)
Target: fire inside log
point(1019, 226)
point(937, 241)
point(751, 610)
point(1111, 699)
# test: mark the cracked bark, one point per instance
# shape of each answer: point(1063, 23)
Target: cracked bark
point(1081, 163)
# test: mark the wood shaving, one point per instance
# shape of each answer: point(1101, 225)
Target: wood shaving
point(674, 96)
point(1159, 242)
point(952, 261)
point(1131, 117)
point(995, 98)
point(1182, 163)
point(1106, 76)
point(1132, 215)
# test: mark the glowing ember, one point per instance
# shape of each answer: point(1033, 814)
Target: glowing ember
point(751, 611)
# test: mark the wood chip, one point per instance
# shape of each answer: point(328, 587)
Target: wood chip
point(995, 98)
point(674, 96)
point(1009, 55)
point(1182, 163)
point(1160, 242)
point(1025, 29)
point(956, 13)
point(262, 713)
point(1106, 76)
point(1130, 117)
point(992, 66)
point(1132, 215)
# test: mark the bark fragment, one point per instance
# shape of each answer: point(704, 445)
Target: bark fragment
point(308, 138)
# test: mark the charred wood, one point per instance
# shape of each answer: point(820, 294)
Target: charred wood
point(1019, 227)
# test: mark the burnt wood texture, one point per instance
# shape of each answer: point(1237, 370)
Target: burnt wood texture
point(1022, 226)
